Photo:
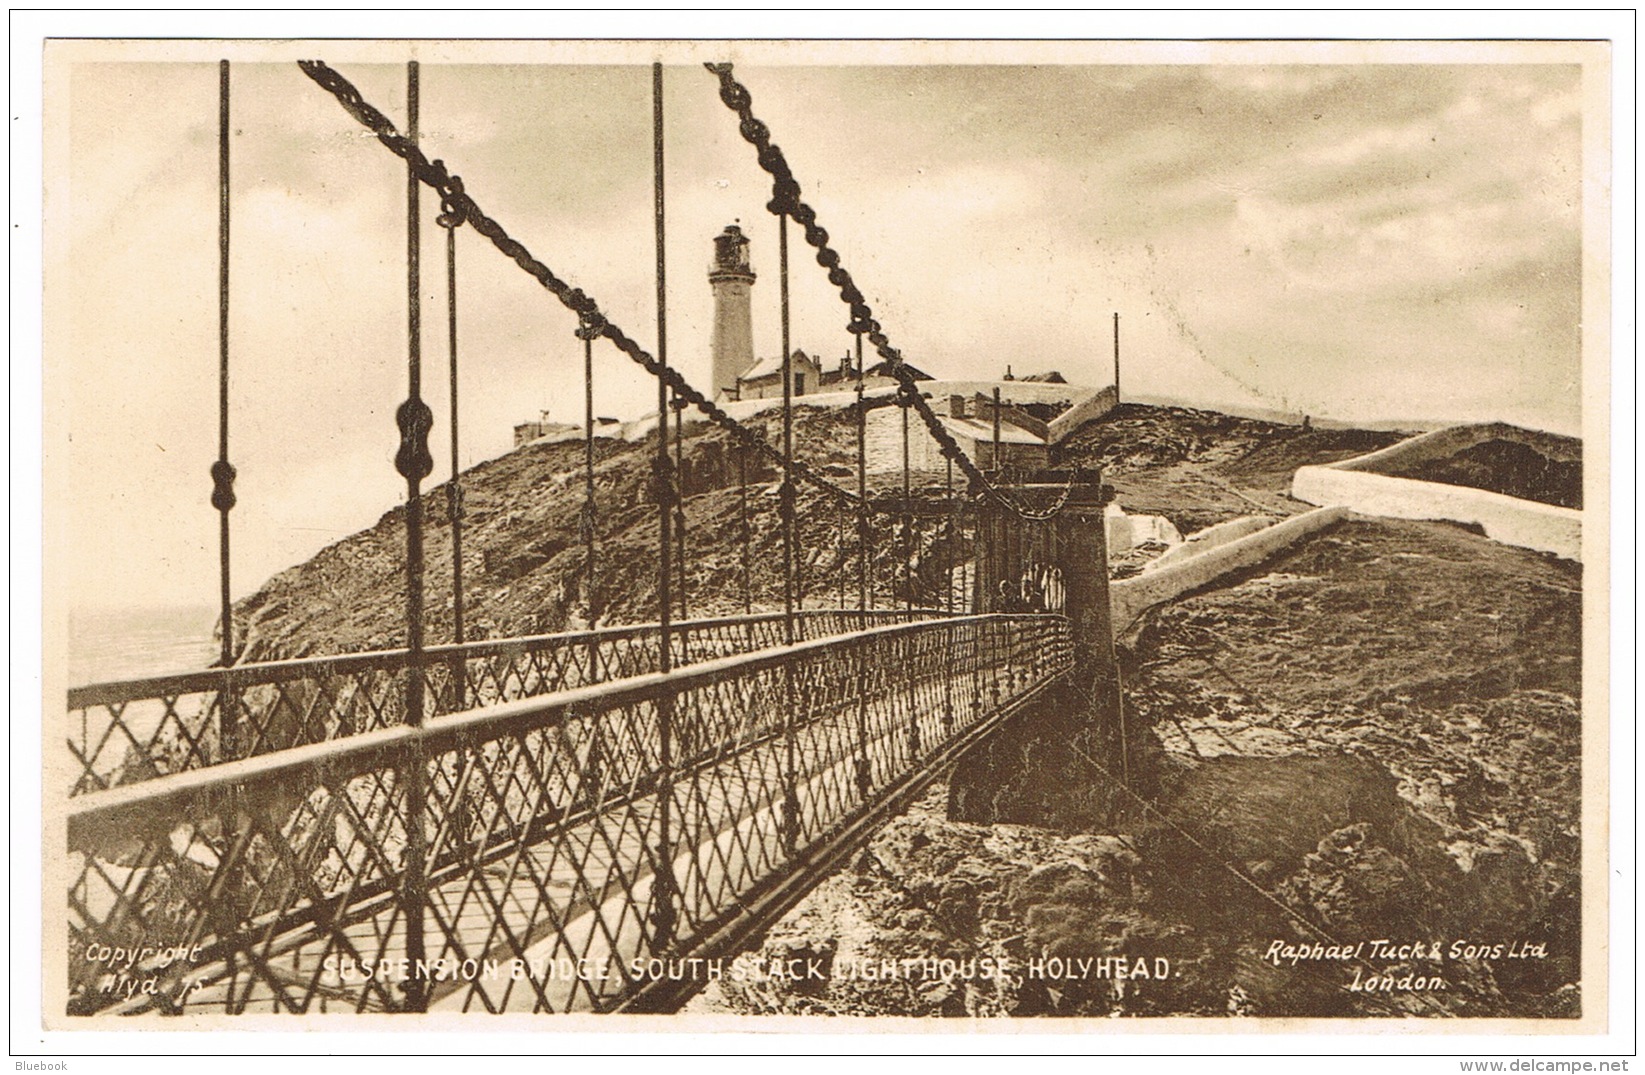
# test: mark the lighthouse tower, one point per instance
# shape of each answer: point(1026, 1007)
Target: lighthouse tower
point(732, 348)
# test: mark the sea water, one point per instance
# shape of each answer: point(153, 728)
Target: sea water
point(130, 643)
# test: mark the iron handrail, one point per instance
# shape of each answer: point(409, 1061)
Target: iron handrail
point(139, 806)
point(531, 815)
point(266, 673)
point(136, 730)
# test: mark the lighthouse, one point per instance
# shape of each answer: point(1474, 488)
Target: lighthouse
point(732, 347)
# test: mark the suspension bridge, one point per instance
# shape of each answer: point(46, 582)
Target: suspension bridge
point(573, 821)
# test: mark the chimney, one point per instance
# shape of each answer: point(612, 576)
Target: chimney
point(732, 346)
point(956, 406)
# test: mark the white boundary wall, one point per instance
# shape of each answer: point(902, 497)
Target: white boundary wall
point(884, 432)
point(1507, 519)
point(1210, 538)
point(1081, 412)
point(1356, 484)
point(1129, 598)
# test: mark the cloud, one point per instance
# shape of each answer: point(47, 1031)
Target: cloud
point(1363, 241)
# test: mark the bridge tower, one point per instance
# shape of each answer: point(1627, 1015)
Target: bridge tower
point(1080, 536)
point(1070, 550)
point(732, 347)
point(1062, 759)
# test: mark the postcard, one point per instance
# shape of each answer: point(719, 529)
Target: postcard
point(985, 536)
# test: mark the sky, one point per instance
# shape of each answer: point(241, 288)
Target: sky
point(1365, 242)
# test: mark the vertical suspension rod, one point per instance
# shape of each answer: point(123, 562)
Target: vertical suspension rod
point(998, 468)
point(907, 519)
point(946, 562)
point(953, 540)
point(787, 498)
point(747, 535)
point(862, 485)
point(839, 565)
point(414, 463)
point(865, 770)
point(789, 829)
point(222, 472)
point(1002, 543)
point(679, 498)
point(665, 599)
point(454, 488)
point(908, 524)
point(412, 424)
point(590, 517)
point(663, 917)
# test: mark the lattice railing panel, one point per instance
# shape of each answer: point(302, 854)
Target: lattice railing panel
point(565, 840)
point(126, 732)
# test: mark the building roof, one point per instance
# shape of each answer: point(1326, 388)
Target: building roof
point(1019, 392)
point(883, 369)
point(773, 366)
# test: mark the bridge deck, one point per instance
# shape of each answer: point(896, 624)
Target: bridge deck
point(545, 824)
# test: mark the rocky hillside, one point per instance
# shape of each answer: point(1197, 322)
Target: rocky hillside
point(1550, 470)
point(1198, 468)
point(1374, 737)
point(524, 563)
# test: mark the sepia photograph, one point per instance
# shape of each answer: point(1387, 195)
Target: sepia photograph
point(811, 535)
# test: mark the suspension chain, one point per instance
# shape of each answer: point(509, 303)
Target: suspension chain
point(785, 201)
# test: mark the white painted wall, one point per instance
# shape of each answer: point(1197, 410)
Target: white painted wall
point(1361, 483)
point(1507, 519)
point(1129, 598)
point(1210, 538)
point(1083, 411)
point(1125, 531)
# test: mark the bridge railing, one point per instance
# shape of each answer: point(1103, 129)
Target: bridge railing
point(133, 730)
point(567, 846)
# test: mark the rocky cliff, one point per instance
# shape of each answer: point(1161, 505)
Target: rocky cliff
point(1373, 738)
